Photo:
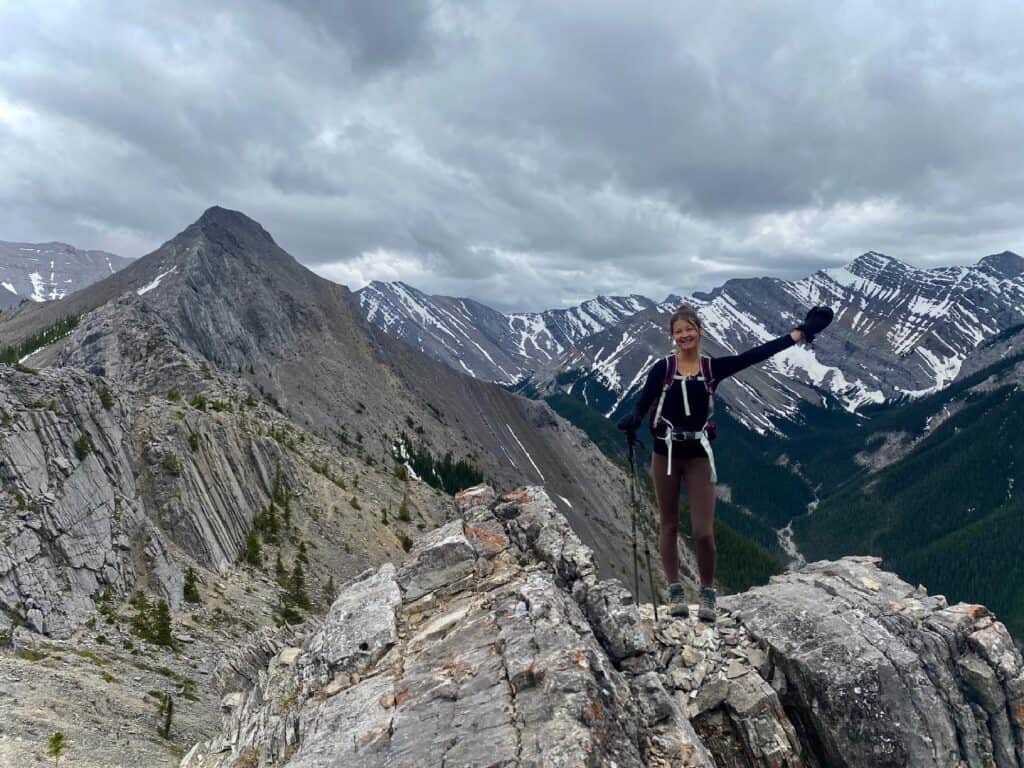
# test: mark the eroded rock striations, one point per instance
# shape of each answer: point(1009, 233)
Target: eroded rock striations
point(71, 522)
point(496, 644)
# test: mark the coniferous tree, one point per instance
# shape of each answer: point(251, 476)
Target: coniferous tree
point(297, 587)
point(11, 355)
point(191, 592)
point(161, 624)
point(140, 621)
point(329, 589)
point(280, 574)
point(167, 713)
point(55, 746)
point(253, 553)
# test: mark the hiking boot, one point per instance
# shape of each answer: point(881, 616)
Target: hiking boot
point(676, 602)
point(708, 604)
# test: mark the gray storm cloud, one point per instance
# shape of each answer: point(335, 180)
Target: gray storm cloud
point(524, 154)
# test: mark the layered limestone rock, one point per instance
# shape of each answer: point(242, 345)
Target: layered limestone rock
point(496, 644)
point(476, 651)
point(877, 673)
point(71, 523)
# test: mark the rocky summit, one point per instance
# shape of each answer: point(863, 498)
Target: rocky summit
point(496, 644)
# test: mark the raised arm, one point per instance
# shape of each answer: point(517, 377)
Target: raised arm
point(723, 367)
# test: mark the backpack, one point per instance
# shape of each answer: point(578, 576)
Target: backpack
point(705, 375)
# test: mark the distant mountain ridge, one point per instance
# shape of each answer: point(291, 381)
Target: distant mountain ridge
point(48, 271)
point(900, 332)
point(485, 343)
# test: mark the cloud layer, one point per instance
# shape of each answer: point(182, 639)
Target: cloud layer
point(526, 154)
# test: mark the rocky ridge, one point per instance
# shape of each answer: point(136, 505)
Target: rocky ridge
point(495, 644)
point(123, 466)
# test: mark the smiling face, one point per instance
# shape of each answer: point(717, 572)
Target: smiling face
point(686, 335)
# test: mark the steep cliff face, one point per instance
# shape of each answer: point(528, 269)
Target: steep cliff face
point(496, 644)
point(71, 521)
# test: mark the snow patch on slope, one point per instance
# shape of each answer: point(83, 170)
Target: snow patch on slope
point(156, 281)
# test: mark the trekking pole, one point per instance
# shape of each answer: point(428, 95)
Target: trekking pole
point(634, 497)
point(632, 505)
point(647, 554)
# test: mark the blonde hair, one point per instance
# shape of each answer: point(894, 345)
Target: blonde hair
point(685, 312)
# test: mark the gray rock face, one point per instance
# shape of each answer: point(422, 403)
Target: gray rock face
point(71, 523)
point(497, 664)
point(442, 557)
point(527, 659)
point(882, 674)
point(160, 481)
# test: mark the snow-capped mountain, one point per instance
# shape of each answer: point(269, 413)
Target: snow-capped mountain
point(931, 320)
point(47, 271)
point(900, 332)
point(483, 342)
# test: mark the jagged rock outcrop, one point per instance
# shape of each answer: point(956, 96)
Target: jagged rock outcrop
point(476, 651)
point(877, 673)
point(496, 644)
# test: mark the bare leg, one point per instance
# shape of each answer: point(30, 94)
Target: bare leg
point(701, 493)
point(666, 488)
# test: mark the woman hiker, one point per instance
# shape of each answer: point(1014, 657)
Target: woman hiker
point(680, 422)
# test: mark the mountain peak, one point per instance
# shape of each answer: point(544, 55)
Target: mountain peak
point(216, 217)
point(1007, 263)
point(231, 235)
point(875, 260)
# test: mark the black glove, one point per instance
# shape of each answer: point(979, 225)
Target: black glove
point(817, 320)
point(629, 423)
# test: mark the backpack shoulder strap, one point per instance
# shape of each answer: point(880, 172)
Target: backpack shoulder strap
point(705, 370)
point(670, 371)
point(709, 385)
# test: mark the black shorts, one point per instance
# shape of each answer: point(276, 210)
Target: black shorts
point(681, 449)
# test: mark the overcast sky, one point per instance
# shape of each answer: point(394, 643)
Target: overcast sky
point(526, 154)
